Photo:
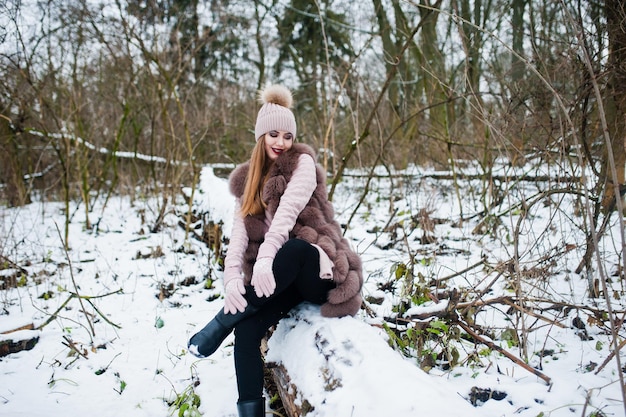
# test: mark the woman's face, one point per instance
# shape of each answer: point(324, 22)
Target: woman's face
point(277, 142)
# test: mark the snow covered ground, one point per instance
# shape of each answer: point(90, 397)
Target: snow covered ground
point(120, 348)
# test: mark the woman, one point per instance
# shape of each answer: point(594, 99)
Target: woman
point(285, 248)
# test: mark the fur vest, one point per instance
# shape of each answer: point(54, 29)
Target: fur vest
point(316, 224)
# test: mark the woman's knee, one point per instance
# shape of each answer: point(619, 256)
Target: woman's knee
point(296, 249)
point(294, 255)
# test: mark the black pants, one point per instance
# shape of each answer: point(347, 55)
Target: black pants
point(296, 270)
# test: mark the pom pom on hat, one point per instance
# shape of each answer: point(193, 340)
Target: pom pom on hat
point(274, 113)
point(276, 94)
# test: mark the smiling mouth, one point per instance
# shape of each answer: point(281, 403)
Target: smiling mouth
point(279, 151)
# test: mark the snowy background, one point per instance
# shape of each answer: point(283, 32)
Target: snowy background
point(120, 348)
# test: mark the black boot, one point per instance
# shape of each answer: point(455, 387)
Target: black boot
point(251, 408)
point(206, 341)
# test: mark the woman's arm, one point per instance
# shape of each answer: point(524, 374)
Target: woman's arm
point(236, 248)
point(296, 196)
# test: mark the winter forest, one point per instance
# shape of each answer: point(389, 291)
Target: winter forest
point(475, 156)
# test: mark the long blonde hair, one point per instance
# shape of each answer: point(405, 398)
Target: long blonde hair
point(251, 200)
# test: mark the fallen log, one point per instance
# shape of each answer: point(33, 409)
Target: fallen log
point(280, 388)
point(18, 339)
point(344, 367)
point(282, 392)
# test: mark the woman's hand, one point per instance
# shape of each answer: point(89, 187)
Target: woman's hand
point(234, 300)
point(263, 279)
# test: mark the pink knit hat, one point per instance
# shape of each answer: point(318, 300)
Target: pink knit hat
point(275, 113)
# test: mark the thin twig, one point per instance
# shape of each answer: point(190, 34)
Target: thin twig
point(509, 301)
point(461, 272)
point(497, 348)
point(70, 344)
point(80, 300)
point(611, 355)
point(478, 299)
point(88, 298)
point(54, 315)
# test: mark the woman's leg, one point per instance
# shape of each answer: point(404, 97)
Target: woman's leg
point(297, 261)
point(296, 270)
point(248, 335)
point(296, 265)
point(300, 261)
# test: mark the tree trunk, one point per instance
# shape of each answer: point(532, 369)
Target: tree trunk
point(389, 48)
point(517, 85)
point(433, 68)
point(15, 190)
point(615, 98)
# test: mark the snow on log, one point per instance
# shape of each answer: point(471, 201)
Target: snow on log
point(18, 339)
point(344, 367)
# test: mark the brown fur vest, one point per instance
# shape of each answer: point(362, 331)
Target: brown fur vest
point(315, 224)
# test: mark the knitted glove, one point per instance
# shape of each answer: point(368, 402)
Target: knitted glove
point(263, 277)
point(234, 300)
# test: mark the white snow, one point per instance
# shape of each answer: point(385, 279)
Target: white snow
point(374, 380)
point(136, 360)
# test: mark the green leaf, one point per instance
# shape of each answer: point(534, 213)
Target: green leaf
point(438, 327)
point(400, 270)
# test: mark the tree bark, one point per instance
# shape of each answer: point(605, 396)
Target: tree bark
point(615, 98)
point(15, 192)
